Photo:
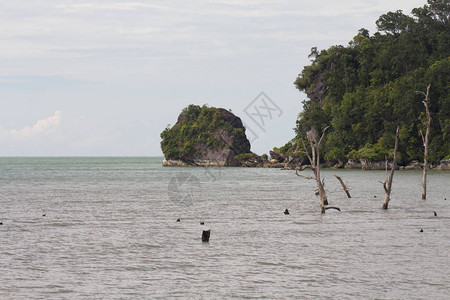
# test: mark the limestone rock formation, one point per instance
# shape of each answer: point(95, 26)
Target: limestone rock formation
point(204, 136)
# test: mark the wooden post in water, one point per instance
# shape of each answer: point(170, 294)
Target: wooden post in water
point(205, 235)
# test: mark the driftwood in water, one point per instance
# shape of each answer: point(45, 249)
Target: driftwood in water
point(343, 186)
point(426, 103)
point(388, 181)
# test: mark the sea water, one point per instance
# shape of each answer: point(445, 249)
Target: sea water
point(106, 228)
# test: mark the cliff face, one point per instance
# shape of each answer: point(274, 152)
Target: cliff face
point(204, 136)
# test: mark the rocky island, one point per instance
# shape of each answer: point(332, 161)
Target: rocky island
point(204, 136)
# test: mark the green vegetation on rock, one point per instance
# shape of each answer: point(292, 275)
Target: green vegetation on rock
point(368, 88)
point(245, 156)
point(200, 129)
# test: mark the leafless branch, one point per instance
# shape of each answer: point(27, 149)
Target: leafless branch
point(344, 187)
point(323, 134)
point(421, 134)
point(336, 189)
point(306, 152)
point(303, 176)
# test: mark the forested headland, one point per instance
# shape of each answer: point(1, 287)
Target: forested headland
point(364, 90)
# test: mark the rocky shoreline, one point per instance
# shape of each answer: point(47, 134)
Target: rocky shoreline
point(290, 163)
point(194, 163)
point(215, 137)
point(444, 165)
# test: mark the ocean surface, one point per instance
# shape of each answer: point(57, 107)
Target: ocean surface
point(106, 228)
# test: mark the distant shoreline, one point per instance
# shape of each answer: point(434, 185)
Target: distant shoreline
point(381, 165)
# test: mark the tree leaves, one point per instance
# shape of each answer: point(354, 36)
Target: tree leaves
point(367, 89)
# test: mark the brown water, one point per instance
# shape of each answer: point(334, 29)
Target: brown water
point(110, 232)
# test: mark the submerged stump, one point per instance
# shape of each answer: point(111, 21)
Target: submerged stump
point(205, 235)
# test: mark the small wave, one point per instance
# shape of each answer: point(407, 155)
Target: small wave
point(61, 291)
point(37, 269)
point(62, 224)
point(24, 230)
point(27, 222)
point(54, 286)
point(249, 254)
point(359, 211)
point(294, 267)
point(302, 223)
point(186, 265)
point(140, 245)
point(268, 263)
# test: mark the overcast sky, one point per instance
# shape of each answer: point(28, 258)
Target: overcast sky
point(106, 77)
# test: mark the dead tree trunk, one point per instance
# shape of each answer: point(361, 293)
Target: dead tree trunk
point(426, 102)
point(387, 188)
point(343, 186)
point(314, 159)
point(315, 148)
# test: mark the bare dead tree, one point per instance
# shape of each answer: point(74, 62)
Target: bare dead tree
point(343, 186)
point(387, 188)
point(314, 159)
point(426, 103)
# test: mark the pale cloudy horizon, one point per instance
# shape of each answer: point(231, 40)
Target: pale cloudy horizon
point(104, 78)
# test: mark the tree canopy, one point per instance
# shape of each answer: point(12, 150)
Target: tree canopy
point(366, 89)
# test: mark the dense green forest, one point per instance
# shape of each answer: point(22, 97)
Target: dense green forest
point(364, 90)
